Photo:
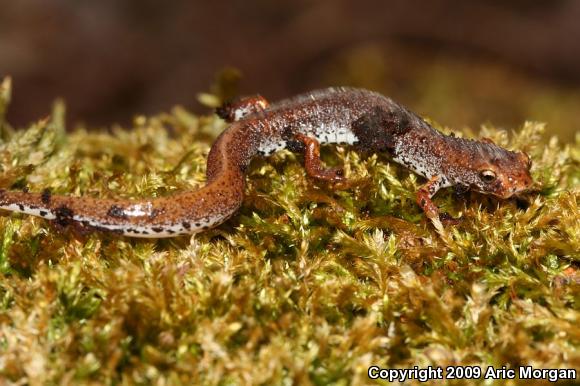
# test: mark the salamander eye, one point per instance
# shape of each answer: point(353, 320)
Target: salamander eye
point(487, 176)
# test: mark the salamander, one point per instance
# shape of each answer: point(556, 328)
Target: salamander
point(364, 119)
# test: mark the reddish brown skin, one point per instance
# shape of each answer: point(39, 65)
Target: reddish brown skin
point(313, 163)
point(368, 120)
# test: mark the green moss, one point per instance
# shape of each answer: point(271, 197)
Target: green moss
point(306, 284)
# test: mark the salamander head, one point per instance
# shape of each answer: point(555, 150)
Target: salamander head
point(501, 172)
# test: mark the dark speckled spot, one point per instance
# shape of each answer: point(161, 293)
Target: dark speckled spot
point(104, 229)
point(43, 213)
point(377, 129)
point(46, 196)
point(63, 215)
point(157, 229)
point(295, 146)
point(287, 133)
point(21, 207)
point(116, 211)
point(186, 225)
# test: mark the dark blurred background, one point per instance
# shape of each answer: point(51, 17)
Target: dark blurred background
point(462, 63)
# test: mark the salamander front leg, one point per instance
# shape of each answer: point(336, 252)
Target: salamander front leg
point(313, 164)
point(239, 108)
point(424, 195)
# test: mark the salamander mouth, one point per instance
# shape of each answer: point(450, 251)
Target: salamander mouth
point(502, 195)
point(517, 192)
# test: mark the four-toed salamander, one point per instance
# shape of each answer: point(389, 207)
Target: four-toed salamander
point(357, 117)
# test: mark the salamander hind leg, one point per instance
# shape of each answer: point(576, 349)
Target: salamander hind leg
point(313, 163)
point(242, 107)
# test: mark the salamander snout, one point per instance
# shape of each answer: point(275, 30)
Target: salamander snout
point(518, 177)
point(518, 184)
point(507, 176)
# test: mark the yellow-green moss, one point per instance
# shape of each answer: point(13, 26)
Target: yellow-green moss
point(305, 285)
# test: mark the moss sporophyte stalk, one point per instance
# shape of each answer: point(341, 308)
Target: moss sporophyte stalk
point(306, 283)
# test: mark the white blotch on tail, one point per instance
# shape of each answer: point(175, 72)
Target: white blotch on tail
point(154, 230)
point(138, 210)
point(34, 211)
